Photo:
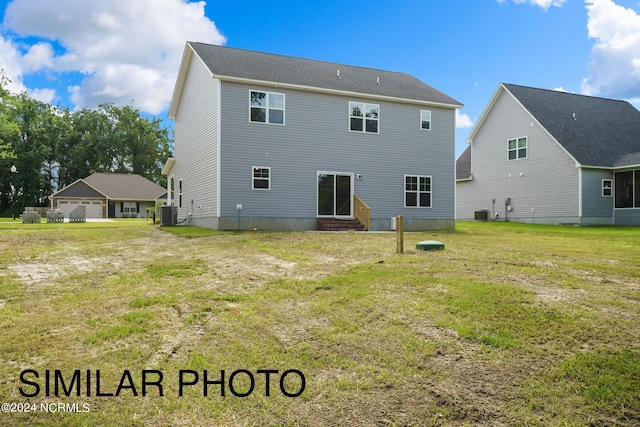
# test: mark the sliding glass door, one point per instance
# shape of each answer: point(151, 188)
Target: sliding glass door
point(335, 194)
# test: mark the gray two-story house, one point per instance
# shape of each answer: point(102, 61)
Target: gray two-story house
point(265, 141)
point(545, 156)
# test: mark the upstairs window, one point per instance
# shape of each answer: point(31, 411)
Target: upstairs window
point(517, 148)
point(363, 117)
point(267, 107)
point(425, 119)
point(417, 191)
point(261, 178)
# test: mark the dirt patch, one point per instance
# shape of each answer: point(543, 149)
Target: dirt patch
point(372, 355)
point(39, 274)
point(289, 334)
point(36, 273)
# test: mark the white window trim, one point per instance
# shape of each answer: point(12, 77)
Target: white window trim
point(130, 207)
point(352, 190)
point(430, 120)
point(526, 138)
point(267, 107)
point(610, 188)
point(364, 119)
point(253, 178)
point(404, 191)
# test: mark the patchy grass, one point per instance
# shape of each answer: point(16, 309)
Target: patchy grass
point(191, 231)
point(511, 324)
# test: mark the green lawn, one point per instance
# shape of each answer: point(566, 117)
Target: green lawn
point(511, 324)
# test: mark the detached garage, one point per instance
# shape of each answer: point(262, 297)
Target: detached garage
point(109, 195)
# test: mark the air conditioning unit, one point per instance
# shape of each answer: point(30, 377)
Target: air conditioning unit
point(168, 215)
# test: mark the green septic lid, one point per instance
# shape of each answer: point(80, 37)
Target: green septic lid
point(430, 245)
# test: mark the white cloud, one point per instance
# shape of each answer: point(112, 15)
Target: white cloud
point(615, 57)
point(463, 120)
point(43, 95)
point(545, 4)
point(127, 51)
point(37, 57)
point(10, 65)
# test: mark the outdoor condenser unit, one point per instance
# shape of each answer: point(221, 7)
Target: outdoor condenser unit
point(168, 215)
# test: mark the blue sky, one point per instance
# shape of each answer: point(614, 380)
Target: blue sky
point(80, 53)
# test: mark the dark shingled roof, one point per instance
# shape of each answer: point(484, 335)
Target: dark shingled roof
point(238, 63)
point(463, 165)
point(595, 131)
point(125, 186)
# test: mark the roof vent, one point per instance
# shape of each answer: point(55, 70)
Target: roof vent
point(338, 74)
point(378, 81)
point(574, 116)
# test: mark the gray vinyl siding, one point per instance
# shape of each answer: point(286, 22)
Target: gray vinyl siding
point(79, 189)
point(196, 138)
point(316, 137)
point(543, 187)
point(596, 208)
point(629, 216)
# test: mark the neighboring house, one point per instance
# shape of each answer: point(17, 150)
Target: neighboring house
point(275, 142)
point(109, 195)
point(555, 157)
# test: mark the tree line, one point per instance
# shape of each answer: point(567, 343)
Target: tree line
point(44, 148)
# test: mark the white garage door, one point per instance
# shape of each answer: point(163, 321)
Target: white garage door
point(93, 208)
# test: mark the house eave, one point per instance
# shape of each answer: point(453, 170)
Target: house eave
point(594, 167)
point(168, 166)
point(484, 114)
point(334, 91)
point(613, 168)
point(182, 74)
point(131, 199)
point(636, 166)
point(74, 183)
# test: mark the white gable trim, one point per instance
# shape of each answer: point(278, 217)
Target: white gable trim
point(488, 109)
point(74, 183)
point(483, 116)
point(182, 74)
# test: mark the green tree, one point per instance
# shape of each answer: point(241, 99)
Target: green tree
point(52, 147)
point(32, 148)
point(115, 139)
point(58, 124)
point(86, 149)
point(145, 144)
point(9, 133)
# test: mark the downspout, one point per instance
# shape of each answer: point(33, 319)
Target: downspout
point(218, 120)
point(579, 194)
